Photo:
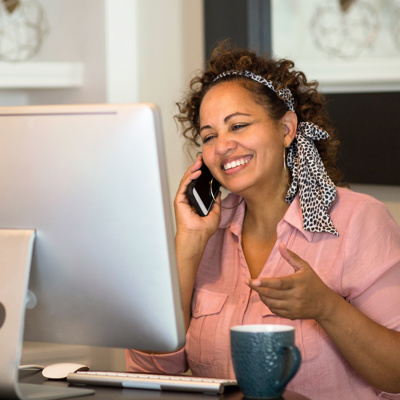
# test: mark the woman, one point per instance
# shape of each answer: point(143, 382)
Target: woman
point(287, 246)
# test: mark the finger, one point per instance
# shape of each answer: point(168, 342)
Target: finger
point(194, 169)
point(283, 283)
point(283, 312)
point(275, 304)
point(292, 258)
point(273, 294)
point(197, 164)
point(283, 308)
point(193, 172)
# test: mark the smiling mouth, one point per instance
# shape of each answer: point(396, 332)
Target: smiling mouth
point(236, 163)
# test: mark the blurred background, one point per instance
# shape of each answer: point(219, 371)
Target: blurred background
point(124, 51)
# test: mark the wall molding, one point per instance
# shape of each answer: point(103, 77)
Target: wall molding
point(41, 75)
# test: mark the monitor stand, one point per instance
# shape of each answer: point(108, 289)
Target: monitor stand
point(15, 262)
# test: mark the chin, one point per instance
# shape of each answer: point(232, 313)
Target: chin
point(239, 190)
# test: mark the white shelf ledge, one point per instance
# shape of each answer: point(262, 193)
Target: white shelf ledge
point(41, 75)
point(368, 75)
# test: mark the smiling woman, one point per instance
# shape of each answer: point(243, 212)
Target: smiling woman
point(289, 245)
point(242, 145)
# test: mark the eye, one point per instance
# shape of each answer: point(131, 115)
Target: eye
point(208, 138)
point(238, 126)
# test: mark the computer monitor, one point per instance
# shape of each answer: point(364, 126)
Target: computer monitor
point(90, 183)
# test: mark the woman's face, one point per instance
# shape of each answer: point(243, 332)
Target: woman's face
point(242, 146)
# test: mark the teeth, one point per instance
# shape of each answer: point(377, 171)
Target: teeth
point(236, 163)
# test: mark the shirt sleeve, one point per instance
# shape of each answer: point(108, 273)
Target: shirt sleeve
point(372, 248)
point(381, 300)
point(171, 363)
point(375, 267)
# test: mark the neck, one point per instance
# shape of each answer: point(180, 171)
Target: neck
point(265, 209)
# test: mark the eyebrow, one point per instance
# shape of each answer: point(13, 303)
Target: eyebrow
point(226, 119)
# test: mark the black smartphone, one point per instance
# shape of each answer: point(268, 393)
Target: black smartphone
point(203, 191)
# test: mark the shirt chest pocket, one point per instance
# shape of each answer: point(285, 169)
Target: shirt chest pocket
point(203, 331)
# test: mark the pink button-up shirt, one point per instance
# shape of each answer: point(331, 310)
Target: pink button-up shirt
point(362, 265)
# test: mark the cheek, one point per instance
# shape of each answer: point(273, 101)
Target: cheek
point(271, 154)
point(207, 155)
point(208, 158)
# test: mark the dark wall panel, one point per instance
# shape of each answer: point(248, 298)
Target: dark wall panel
point(246, 23)
point(368, 124)
point(225, 21)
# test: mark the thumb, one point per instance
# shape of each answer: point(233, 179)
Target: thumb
point(293, 259)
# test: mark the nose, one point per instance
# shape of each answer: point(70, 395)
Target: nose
point(225, 142)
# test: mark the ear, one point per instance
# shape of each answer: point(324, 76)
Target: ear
point(289, 121)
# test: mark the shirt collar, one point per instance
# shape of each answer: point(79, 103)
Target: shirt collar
point(232, 213)
point(232, 216)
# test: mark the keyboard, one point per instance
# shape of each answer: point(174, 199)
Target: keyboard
point(150, 381)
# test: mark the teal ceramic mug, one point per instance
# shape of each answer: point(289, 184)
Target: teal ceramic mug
point(264, 359)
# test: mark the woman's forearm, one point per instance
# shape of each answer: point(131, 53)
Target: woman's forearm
point(371, 349)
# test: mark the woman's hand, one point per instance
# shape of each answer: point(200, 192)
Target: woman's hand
point(192, 235)
point(302, 295)
point(187, 220)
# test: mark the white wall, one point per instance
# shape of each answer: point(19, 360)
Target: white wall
point(170, 47)
point(76, 34)
point(168, 38)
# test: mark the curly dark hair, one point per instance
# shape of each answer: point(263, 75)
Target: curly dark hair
point(309, 103)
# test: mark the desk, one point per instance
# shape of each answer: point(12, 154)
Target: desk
point(112, 393)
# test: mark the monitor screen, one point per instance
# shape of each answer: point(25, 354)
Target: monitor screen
point(91, 181)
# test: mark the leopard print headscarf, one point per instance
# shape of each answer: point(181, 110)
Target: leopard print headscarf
point(309, 177)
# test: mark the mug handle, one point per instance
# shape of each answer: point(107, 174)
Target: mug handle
point(294, 351)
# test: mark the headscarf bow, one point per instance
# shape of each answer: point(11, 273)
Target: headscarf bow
point(309, 177)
